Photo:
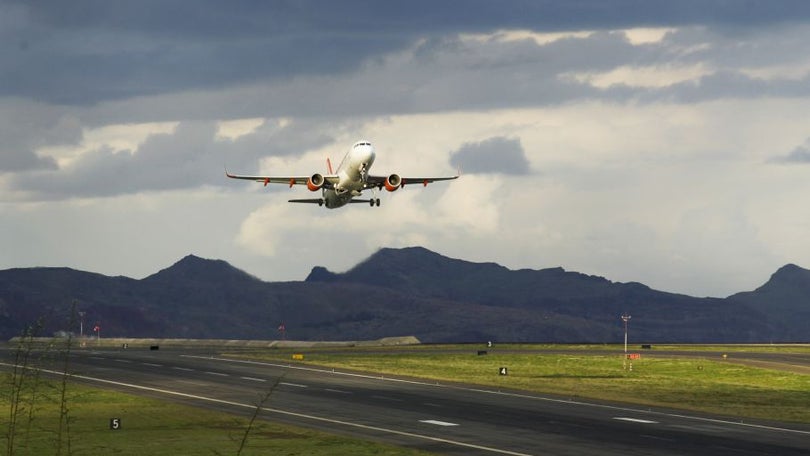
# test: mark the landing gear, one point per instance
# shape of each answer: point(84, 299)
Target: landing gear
point(320, 202)
point(374, 201)
point(363, 171)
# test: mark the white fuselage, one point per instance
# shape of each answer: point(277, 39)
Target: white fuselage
point(351, 173)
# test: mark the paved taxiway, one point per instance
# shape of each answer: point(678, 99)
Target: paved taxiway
point(448, 419)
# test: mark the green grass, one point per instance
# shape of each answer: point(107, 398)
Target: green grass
point(156, 427)
point(700, 384)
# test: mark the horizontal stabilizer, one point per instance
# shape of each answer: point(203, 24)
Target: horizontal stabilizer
point(318, 201)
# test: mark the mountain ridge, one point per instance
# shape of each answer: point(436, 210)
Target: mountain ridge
point(409, 291)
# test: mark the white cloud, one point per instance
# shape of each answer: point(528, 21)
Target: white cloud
point(260, 232)
point(640, 36)
point(505, 36)
point(119, 137)
point(234, 129)
point(643, 76)
point(636, 36)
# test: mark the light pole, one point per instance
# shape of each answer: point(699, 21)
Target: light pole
point(625, 319)
point(81, 324)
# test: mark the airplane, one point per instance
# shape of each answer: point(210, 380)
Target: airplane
point(344, 186)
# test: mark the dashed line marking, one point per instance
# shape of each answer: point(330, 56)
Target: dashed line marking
point(153, 364)
point(655, 437)
point(253, 379)
point(219, 374)
point(438, 423)
point(338, 391)
point(388, 398)
point(123, 361)
point(634, 420)
point(293, 384)
point(182, 369)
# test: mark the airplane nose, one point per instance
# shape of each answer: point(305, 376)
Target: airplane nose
point(368, 155)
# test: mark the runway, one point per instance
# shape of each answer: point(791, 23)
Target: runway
point(446, 419)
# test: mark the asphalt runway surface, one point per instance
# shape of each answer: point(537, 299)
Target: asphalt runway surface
point(441, 418)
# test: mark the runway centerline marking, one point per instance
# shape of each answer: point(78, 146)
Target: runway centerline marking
point(338, 391)
point(293, 384)
point(438, 423)
point(634, 420)
point(388, 398)
point(182, 369)
point(253, 379)
point(220, 374)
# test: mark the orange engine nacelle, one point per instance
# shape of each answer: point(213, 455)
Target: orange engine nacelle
point(393, 182)
point(315, 182)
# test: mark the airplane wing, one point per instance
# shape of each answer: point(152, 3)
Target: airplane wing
point(289, 180)
point(379, 181)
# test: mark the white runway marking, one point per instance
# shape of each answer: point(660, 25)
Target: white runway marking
point(190, 382)
point(253, 379)
point(153, 364)
point(220, 374)
point(438, 423)
point(293, 384)
point(635, 420)
point(182, 369)
point(387, 398)
point(338, 391)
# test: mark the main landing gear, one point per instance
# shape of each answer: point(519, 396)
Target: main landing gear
point(374, 201)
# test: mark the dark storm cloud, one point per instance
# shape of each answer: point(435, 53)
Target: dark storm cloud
point(24, 128)
point(497, 155)
point(24, 160)
point(84, 52)
point(191, 156)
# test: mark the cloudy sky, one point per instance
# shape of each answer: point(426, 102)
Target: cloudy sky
point(653, 141)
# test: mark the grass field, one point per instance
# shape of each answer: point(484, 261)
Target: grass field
point(703, 384)
point(152, 427)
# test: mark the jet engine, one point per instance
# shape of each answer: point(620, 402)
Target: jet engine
point(393, 182)
point(315, 182)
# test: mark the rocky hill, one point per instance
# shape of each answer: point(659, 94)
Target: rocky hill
point(410, 291)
